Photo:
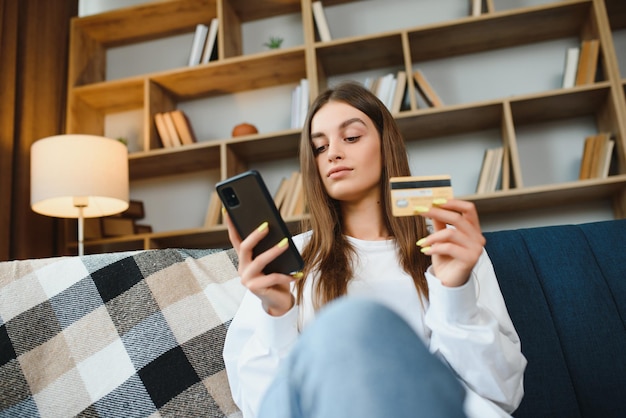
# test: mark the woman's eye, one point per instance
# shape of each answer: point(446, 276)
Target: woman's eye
point(320, 149)
point(352, 138)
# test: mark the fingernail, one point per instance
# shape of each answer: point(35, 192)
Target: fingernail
point(262, 227)
point(297, 275)
point(440, 201)
point(420, 242)
point(420, 209)
point(223, 210)
point(282, 243)
point(425, 250)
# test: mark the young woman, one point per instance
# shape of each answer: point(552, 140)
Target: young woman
point(398, 292)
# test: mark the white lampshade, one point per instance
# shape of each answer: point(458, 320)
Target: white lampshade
point(74, 173)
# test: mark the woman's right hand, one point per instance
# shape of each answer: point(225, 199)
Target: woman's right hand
point(273, 289)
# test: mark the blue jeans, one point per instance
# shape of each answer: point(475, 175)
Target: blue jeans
point(360, 359)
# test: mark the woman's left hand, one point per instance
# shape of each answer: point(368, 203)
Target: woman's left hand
point(456, 250)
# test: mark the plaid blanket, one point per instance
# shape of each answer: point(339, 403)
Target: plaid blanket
point(129, 334)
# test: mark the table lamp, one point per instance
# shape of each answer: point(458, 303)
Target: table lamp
point(79, 176)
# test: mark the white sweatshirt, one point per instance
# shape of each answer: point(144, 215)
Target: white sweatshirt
point(469, 326)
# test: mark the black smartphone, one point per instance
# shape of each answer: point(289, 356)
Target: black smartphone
point(248, 203)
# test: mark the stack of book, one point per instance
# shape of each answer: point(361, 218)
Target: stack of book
point(299, 104)
point(203, 45)
point(289, 200)
point(597, 156)
point(391, 89)
point(289, 197)
point(174, 129)
point(581, 63)
point(491, 170)
point(122, 224)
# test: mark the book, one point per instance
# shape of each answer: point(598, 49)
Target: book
point(214, 210)
point(281, 192)
point(399, 93)
point(587, 62)
point(303, 105)
point(298, 204)
point(495, 170)
point(476, 7)
point(383, 87)
point(596, 158)
point(484, 171)
point(606, 159)
point(183, 127)
point(197, 45)
point(490, 170)
point(571, 67)
point(299, 104)
point(585, 162)
point(285, 207)
point(391, 89)
point(171, 129)
point(164, 133)
point(320, 21)
point(295, 190)
point(295, 107)
point(426, 90)
point(211, 40)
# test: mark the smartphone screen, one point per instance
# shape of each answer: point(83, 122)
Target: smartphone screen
point(249, 203)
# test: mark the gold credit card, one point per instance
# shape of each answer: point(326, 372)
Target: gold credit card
point(411, 191)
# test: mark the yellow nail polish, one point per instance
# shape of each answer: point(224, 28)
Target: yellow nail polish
point(440, 201)
point(420, 242)
point(223, 210)
point(420, 209)
point(282, 243)
point(263, 226)
point(425, 250)
point(297, 275)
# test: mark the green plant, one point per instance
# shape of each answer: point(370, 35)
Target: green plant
point(274, 43)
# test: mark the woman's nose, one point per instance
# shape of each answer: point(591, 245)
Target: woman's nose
point(335, 152)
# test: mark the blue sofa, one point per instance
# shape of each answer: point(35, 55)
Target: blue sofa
point(141, 333)
point(565, 289)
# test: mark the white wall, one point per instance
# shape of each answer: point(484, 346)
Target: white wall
point(549, 152)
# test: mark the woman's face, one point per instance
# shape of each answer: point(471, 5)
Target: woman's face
point(346, 145)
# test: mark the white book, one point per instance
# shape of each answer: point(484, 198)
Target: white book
point(383, 87)
point(197, 45)
point(210, 40)
point(571, 67)
point(304, 102)
point(295, 106)
point(495, 170)
point(320, 21)
point(477, 6)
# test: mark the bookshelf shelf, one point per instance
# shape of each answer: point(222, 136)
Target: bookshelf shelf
point(170, 161)
point(91, 97)
point(112, 96)
point(476, 34)
point(215, 78)
point(549, 195)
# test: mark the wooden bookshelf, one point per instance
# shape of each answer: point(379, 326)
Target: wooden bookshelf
point(91, 97)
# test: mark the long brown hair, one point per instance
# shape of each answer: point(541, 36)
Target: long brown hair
point(328, 250)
